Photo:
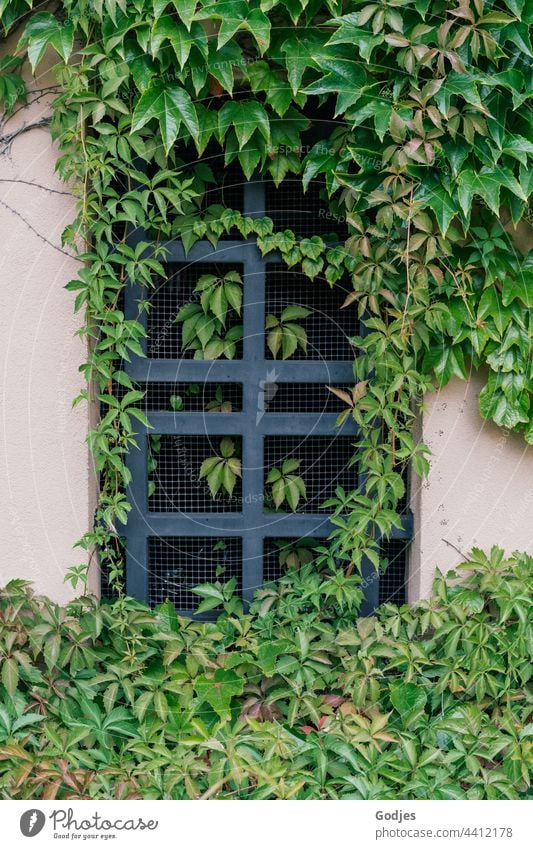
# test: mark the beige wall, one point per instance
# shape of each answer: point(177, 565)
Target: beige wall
point(45, 480)
point(480, 489)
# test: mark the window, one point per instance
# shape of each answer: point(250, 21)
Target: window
point(178, 534)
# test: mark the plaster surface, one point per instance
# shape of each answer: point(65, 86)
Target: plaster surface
point(46, 491)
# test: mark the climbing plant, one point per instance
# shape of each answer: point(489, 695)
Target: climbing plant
point(427, 162)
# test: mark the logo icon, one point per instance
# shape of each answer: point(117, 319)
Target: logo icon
point(32, 822)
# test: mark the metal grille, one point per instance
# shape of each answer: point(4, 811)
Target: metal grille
point(393, 581)
point(176, 564)
point(177, 290)
point(162, 396)
point(302, 398)
point(328, 327)
point(307, 214)
point(324, 465)
point(169, 503)
point(175, 482)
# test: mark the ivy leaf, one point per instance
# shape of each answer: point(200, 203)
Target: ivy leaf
point(443, 206)
point(235, 15)
point(244, 118)
point(486, 184)
point(407, 697)
point(170, 105)
point(350, 33)
point(345, 78)
point(218, 690)
point(320, 159)
point(186, 10)
point(446, 362)
point(299, 50)
point(166, 29)
point(42, 30)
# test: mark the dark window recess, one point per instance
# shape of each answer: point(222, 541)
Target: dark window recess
point(169, 296)
point(393, 581)
point(306, 213)
point(163, 560)
point(302, 397)
point(280, 553)
point(228, 191)
point(162, 397)
point(177, 564)
point(324, 465)
point(174, 482)
point(328, 330)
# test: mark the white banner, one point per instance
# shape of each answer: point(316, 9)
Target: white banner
point(254, 825)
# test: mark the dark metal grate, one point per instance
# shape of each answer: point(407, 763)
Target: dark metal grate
point(196, 397)
point(176, 564)
point(393, 581)
point(175, 479)
point(328, 327)
point(324, 465)
point(164, 333)
point(307, 214)
point(302, 397)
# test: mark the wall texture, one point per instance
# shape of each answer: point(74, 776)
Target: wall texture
point(46, 482)
point(480, 489)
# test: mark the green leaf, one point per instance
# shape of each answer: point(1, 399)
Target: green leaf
point(10, 675)
point(245, 118)
point(186, 10)
point(44, 30)
point(299, 50)
point(218, 690)
point(407, 697)
point(443, 206)
point(345, 78)
point(170, 105)
point(235, 15)
point(293, 311)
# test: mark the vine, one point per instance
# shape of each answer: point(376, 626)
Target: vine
point(427, 164)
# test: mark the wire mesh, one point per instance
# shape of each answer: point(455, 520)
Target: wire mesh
point(177, 564)
point(169, 296)
point(307, 214)
point(328, 327)
point(303, 398)
point(280, 553)
point(164, 396)
point(175, 485)
point(393, 581)
point(324, 465)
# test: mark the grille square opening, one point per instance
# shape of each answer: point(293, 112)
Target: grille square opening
point(174, 480)
point(307, 214)
point(177, 564)
point(169, 296)
point(328, 327)
point(324, 465)
point(281, 553)
point(393, 581)
point(162, 397)
point(303, 398)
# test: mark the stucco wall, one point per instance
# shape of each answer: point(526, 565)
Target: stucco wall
point(46, 482)
point(480, 489)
